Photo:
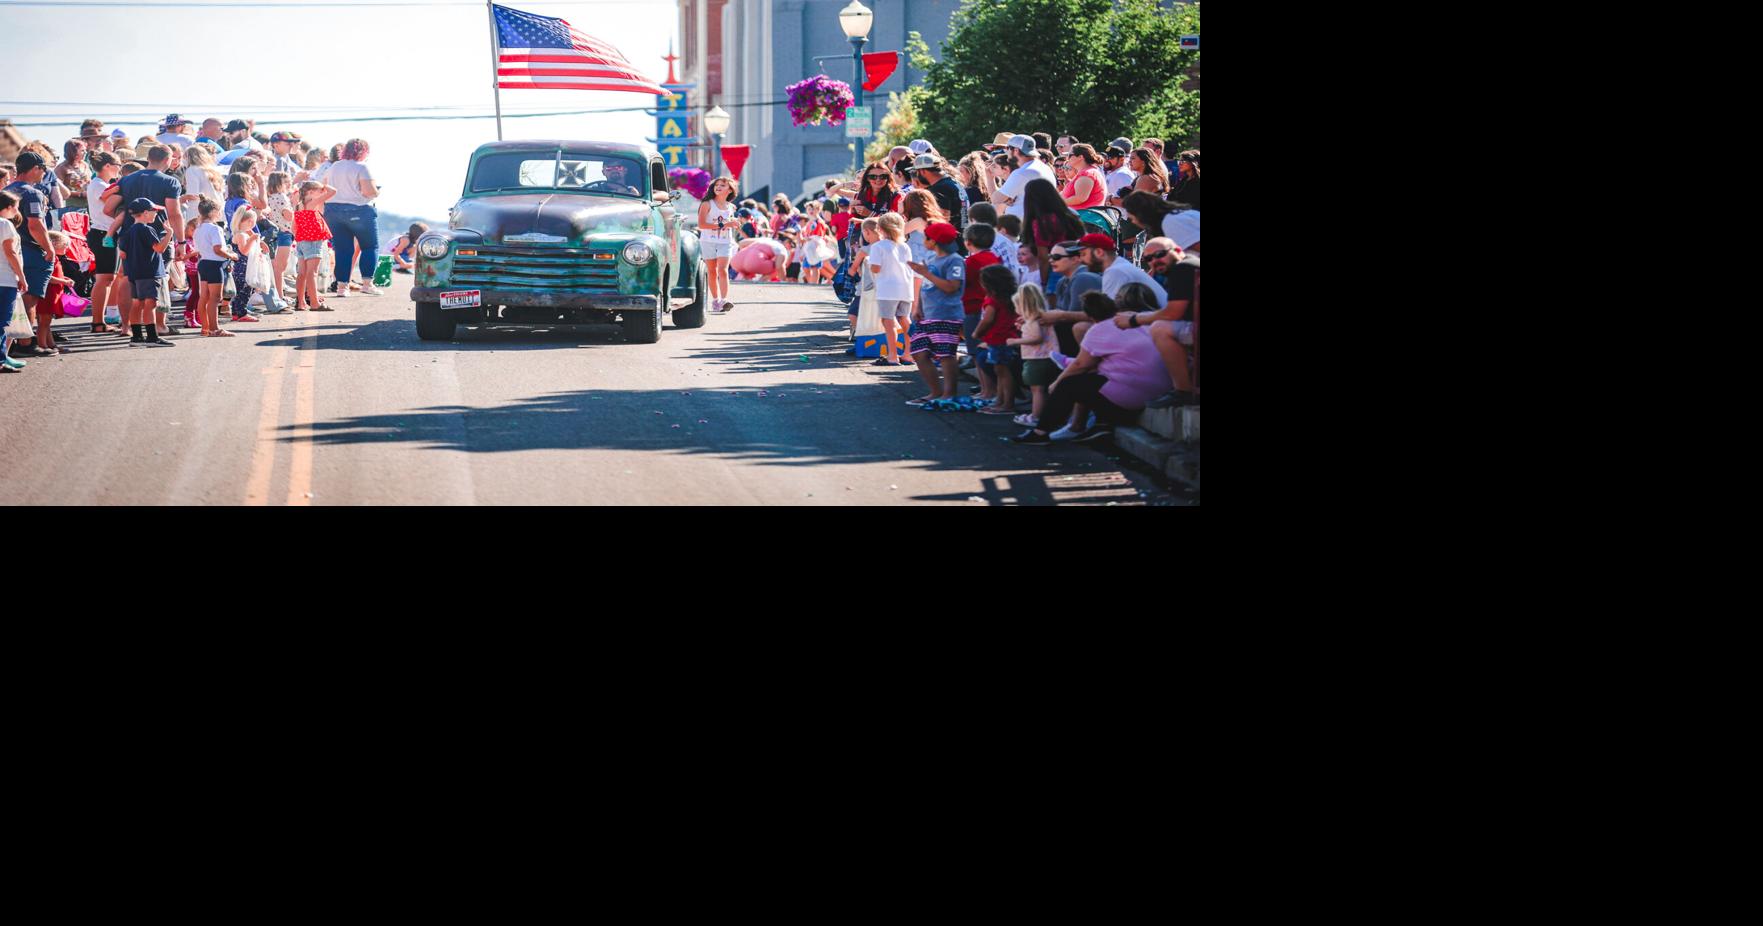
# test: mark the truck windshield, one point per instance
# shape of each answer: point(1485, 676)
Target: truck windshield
point(557, 170)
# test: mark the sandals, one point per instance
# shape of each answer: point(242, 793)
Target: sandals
point(219, 333)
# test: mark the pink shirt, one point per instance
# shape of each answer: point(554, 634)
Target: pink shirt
point(1098, 193)
point(1032, 331)
point(1130, 363)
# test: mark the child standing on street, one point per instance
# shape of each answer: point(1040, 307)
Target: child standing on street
point(50, 305)
point(939, 316)
point(1037, 343)
point(212, 255)
point(889, 261)
point(979, 239)
point(310, 234)
point(245, 238)
point(997, 325)
point(143, 246)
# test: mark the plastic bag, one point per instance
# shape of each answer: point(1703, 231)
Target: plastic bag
point(20, 325)
point(112, 315)
point(258, 273)
point(868, 313)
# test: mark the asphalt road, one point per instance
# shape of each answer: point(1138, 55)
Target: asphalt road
point(759, 407)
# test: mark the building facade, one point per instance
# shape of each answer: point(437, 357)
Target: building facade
point(743, 53)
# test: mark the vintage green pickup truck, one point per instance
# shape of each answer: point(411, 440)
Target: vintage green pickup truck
point(551, 233)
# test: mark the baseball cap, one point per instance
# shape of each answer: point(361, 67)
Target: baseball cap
point(1023, 143)
point(1096, 240)
point(27, 161)
point(119, 133)
point(284, 136)
point(172, 121)
point(1183, 228)
point(919, 146)
point(1115, 151)
point(941, 232)
point(1123, 143)
point(924, 161)
point(141, 204)
point(237, 125)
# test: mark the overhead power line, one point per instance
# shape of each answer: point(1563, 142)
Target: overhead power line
point(307, 120)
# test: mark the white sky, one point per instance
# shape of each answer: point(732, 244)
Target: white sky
point(323, 61)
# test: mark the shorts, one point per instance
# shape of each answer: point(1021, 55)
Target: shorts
point(938, 338)
point(37, 271)
point(283, 239)
point(104, 257)
point(1039, 372)
point(212, 271)
point(144, 289)
point(996, 354)
point(1184, 331)
point(713, 248)
point(894, 308)
point(309, 250)
point(975, 349)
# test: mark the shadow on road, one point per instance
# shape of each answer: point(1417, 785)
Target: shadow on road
point(795, 426)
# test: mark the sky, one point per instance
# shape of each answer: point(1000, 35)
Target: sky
point(368, 60)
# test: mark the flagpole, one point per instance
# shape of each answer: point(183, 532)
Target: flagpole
point(495, 53)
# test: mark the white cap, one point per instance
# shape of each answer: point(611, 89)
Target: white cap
point(919, 146)
point(1183, 228)
point(1023, 143)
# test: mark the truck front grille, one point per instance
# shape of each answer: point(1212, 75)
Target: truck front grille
point(539, 269)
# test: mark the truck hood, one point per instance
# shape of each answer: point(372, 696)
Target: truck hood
point(565, 215)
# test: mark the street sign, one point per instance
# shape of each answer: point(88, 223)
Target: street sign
point(675, 155)
point(671, 127)
point(1190, 43)
point(857, 122)
point(673, 101)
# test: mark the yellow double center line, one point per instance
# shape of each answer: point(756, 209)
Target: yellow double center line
point(269, 434)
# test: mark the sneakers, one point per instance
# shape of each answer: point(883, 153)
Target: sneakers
point(340, 294)
point(1064, 434)
point(1172, 399)
point(1096, 433)
point(158, 342)
point(11, 366)
point(368, 289)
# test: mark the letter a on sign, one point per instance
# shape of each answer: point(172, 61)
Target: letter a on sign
point(670, 129)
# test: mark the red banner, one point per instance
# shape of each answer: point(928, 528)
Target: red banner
point(735, 157)
point(877, 67)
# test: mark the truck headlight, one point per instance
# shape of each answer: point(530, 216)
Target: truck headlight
point(637, 254)
point(432, 247)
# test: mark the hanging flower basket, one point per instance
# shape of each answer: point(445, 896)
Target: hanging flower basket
point(691, 179)
point(819, 99)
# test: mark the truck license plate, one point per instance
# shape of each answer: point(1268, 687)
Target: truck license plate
point(462, 299)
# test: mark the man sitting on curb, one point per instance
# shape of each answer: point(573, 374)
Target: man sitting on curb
point(1172, 329)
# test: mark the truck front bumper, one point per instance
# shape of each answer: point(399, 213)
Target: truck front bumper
point(611, 302)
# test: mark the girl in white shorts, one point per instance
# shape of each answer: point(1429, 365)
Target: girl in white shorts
point(894, 281)
point(716, 239)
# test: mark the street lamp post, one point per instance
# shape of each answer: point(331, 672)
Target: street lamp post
point(716, 123)
point(855, 20)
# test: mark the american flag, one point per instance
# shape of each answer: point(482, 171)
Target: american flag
point(544, 53)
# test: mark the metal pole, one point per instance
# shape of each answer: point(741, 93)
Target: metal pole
point(495, 53)
point(716, 157)
point(857, 91)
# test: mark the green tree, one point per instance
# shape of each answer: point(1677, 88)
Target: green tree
point(1092, 68)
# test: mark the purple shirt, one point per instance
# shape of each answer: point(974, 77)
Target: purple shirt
point(1130, 362)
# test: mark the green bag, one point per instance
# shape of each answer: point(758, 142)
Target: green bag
point(382, 275)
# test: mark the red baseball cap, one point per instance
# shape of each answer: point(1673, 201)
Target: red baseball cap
point(1097, 240)
point(941, 232)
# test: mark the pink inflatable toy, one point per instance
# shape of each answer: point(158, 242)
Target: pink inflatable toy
point(760, 258)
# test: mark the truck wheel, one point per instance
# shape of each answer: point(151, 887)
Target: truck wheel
point(432, 324)
point(692, 316)
point(642, 327)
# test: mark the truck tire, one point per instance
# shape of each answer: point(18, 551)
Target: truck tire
point(432, 324)
point(642, 327)
point(692, 316)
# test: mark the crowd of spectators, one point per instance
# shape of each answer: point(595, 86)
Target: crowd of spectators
point(127, 231)
point(1064, 275)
